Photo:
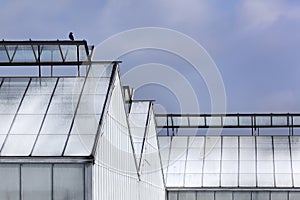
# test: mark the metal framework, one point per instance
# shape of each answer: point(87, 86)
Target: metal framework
point(172, 122)
point(45, 53)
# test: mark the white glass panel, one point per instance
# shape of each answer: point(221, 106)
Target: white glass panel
point(49, 145)
point(176, 167)
point(139, 107)
point(260, 196)
point(68, 182)
point(138, 120)
point(196, 142)
point(2, 138)
point(179, 142)
point(91, 104)
point(247, 154)
point(264, 166)
point(247, 180)
point(296, 166)
point(187, 195)
point(265, 180)
point(164, 142)
point(9, 104)
point(137, 134)
point(211, 166)
point(283, 166)
point(245, 120)
point(213, 121)
point(164, 154)
point(34, 104)
point(85, 124)
point(242, 196)
point(97, 70)
point(296, 179)
point(69, 86)
point(247, 166)
point(223, 196)
point(294, 195)
point(5, 122)
point(279, 195)
point(194, 166)
point(63, 104)
point(41, 86)
point(80, 145)
point(36, 181)
point(283, 180)
point(211, 141)
point(279, 120)
point(229, 179)
point(195, 154)
point(263, 120)
point(197, 121)
point(264, 154)
point(175, 180)
point(230, 142)
point(172, 195)
point(230, 154)
point(295, 145)
point(18, 145)
point(247, 142)
point(178, 154)
point(205, 195)
point(212, 153)
point(96, 86)
point(10, 182)
point(230, 121)
point(180, 121)
point(193, 180)
point(27, 124)
point(229, 176)
point(57, 124)
point(211, 180)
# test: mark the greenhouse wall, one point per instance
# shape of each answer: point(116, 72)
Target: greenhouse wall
point(115, 173)
point(45, 181)
point(234, 195)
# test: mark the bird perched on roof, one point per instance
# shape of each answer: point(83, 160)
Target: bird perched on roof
point(71, 36)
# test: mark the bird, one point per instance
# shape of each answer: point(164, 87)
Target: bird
point(71, 36)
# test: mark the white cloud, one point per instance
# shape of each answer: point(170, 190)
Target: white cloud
point(261, 14)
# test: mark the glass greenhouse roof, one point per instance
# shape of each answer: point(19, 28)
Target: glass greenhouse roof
point(231, 161)
point(53, 116)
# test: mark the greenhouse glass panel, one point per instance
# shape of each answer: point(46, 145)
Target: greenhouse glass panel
point(18, 145)
point(223, 196)
point(49, 145)
point(205, 196)
point(10, 181)
point(279, 195)
point(34, 104)
point(68, 182)
point(63, 104)
point(242, 196)
point(69, 86)
point(260, 195)
point(187, 195)
point(36, 182)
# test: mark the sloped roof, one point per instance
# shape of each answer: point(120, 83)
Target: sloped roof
point(231, 161)
point(52, 116)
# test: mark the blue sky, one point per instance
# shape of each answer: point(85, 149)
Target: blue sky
point(255, 43)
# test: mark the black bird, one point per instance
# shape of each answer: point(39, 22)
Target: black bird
point(71, 36)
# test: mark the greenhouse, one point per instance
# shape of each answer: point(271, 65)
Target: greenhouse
point(69, 129)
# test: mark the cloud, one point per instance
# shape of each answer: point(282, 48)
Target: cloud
point(262, 14)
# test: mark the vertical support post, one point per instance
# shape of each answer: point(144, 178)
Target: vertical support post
point(39, 60)
point(78, 69)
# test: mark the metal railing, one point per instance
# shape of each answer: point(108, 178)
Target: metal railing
point(253, 121)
